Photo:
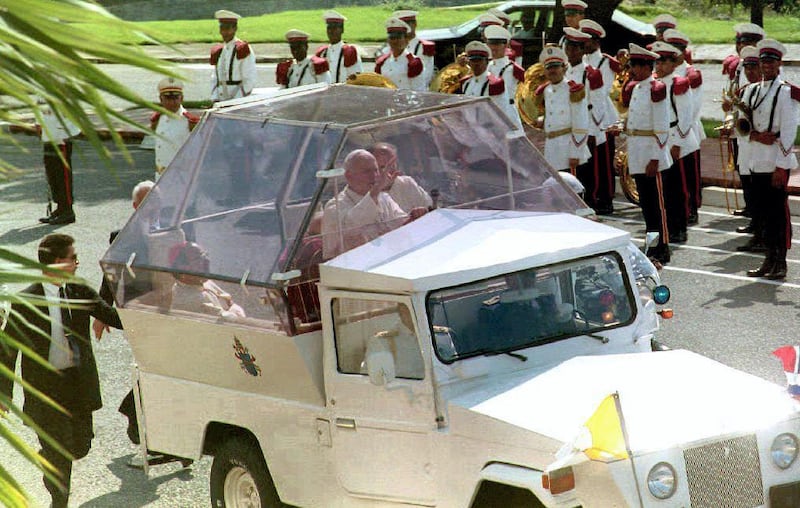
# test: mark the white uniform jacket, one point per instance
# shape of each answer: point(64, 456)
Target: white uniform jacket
point(343, 60)
point(608, 67)
point(566, 123)
point(592, 81)
point(234, 73)
point(774, 110)
point(406, 71)
point(679, 95)
point(647, 126)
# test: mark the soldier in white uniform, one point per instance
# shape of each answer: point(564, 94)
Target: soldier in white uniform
point(362, 211)
point(303, 69)
point(589, 173)
point(693, 171)
point(574, 12)
point(775, 108)
point(752, 74)
point(403, 189)
point(603, 114)
point(515, 48)
point(497, 38)
point(647, 128)
point(234, 61)
point(343, 59)
point(171, 132)
point(483, 84)
point(405, 70)
point(682, 141)
point(56, 131)
point(747, 35)
point(422, 49)
point(566, 120)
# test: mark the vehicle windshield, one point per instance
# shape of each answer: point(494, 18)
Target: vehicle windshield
point(530, 308)
point(259, 195)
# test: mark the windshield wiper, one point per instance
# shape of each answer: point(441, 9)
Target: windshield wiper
point(518, 356)
point(594, 336)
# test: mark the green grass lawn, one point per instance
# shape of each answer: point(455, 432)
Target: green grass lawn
point(365, 24)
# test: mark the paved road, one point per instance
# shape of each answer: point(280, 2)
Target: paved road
point(718, 312)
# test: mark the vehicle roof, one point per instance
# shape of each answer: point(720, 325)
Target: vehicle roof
point(448, 247)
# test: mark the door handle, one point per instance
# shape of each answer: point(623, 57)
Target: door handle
point(346, 423)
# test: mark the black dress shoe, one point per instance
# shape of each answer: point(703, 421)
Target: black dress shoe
point(745, 229)
point(679, 237)
point(604, 210)
point(62, 218)
point(742, 212)
point(45, 220)
point(778, 271)
point(766, 267)
point(692, 220)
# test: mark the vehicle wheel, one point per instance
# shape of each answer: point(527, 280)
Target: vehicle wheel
point(240, 478)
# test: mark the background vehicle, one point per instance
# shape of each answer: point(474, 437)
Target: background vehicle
point(441, 362)
point(451, 41)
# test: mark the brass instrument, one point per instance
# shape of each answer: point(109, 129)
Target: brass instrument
point(370, 79)
point(448, 79)
point(622, 77)
point(626, 181)
point(530, 106)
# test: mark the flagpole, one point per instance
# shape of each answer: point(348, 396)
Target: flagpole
point(628, 446)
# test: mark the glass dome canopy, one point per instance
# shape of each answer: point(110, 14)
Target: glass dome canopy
point(250, 184)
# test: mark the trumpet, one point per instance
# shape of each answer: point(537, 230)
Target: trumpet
point(742, 118)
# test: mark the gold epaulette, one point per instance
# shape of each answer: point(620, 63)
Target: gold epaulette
point(578, 95)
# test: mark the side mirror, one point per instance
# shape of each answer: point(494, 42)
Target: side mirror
point(380, 362)
point(650, 239)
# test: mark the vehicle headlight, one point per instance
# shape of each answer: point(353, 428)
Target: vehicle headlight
point(784, 450)
point(662, 481)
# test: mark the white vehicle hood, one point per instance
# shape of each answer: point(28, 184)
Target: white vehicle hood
point(667, 398)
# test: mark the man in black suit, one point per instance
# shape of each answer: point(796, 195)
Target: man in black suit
point(62, 340)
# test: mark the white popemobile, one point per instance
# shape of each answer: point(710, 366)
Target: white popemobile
point(497, 351)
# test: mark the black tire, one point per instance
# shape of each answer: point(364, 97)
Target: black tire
point(239, 462)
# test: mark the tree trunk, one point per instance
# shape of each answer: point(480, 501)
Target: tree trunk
point(757, 12)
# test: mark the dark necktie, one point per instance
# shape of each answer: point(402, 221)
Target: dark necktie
point(66, 324)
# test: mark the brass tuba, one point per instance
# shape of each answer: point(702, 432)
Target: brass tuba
point(370, 79)
point(448, 79)
point(530, 106)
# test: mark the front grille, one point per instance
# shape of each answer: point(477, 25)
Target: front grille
point(725, 474)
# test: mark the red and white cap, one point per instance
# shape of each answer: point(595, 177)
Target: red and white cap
point(552, 55)
point(406, 15)
point(592, 28)
point(749, 55)
point(790, 358)
point(573, 35)
point(502, 16)
point(170, 85)
point(494, 32)
point(637, 52)
point(489, 19)
point(749, 32)
point(224, 16)
point(676, 37)
point(770, 49)
point(477, 49)
point(396, 26)
point(333, 18)
point(574, 5)
point(295, 35)
point(664, 49)
point(665, 21)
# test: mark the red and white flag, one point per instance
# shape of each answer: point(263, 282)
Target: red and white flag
point(790, 358)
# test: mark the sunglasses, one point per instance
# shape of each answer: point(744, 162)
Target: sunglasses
point(171, 95)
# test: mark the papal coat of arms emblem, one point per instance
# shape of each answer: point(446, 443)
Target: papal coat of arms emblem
point(246, 361)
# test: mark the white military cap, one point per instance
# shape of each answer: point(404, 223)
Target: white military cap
point(592, 28)
point(489, 19)
point(226, 16)
point(552, 55)
point(502, 16)
point(770, 49)
point(333, 18)
point(664, 21)
point(748, 32)
point(405, 15)
point(168, 85)
point(574, 5)
point(477, 49)
point(295, 35)
point(749, 55)
point(396, 26)
point(676, 37)
point(573, 35)
point(495, 32)
point(664, 49)
point(637, 52)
